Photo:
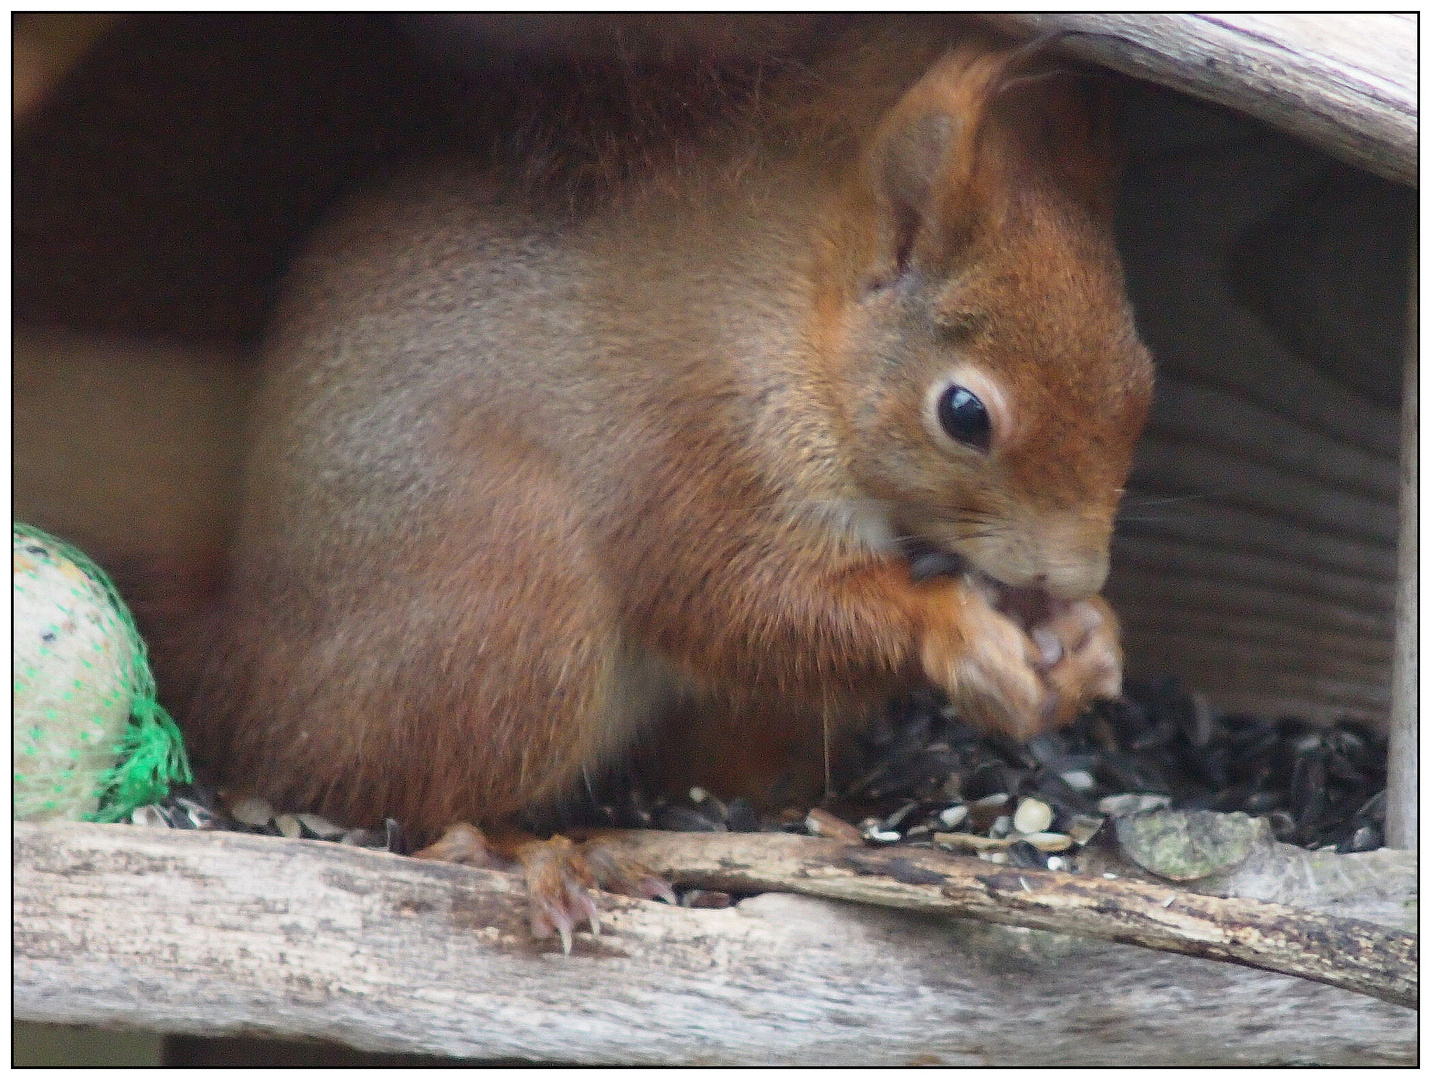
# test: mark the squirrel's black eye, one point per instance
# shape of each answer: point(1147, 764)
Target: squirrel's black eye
point(964, 418)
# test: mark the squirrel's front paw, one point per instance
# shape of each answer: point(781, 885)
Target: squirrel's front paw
point(1079, 644)
point(991, 670)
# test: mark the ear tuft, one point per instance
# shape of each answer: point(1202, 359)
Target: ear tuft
point(1077, 138)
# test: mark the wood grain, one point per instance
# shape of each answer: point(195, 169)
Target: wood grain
point(1347, 83)
point(1403, 791)
point(1340, 952)
point(222, 933)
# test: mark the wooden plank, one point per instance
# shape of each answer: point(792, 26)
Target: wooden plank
point(1204, 470)
point(1175, 253)
point(1237, 597)
point(1201, 519)
point(1347, 83)
point(1189, 411)
point(1252, 664)
point(1402, 767)
point(222, 933)
point(1280, 692)
point(1257, 700)
point(46, 47)
point(1350, 953)
point(1251, 632)
point(1175, 556)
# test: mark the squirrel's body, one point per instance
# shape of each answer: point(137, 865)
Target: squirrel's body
point(523, 480)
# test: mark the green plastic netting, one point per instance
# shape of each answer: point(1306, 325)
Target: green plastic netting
point(91, 740)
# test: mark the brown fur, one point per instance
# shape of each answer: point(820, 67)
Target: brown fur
point(520, 482)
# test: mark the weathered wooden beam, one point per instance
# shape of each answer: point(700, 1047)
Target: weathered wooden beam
point(1346, 83)
point(1199, 519)
point(1240, 657)
point(1251, 698)
point(210, 933)
point(1264, 691)
point(46, 47)
point(1349, 953)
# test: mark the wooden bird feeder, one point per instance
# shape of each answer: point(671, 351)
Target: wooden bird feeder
point(1267, 556)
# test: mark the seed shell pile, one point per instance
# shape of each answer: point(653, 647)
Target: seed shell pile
point(921, 776)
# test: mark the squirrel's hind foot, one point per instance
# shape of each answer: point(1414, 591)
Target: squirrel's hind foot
point(560, 874)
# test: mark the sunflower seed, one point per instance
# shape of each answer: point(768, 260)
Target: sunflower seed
point(894, 820)
point(951, 816)
point(1366, 838)
point(984, 812)
point(320, 827)
point(1119, 805)
point(741, 816)
point(1083, 827)
point(1032, 816)
point(251, 810)
point(1079, 779)
point(1025, 856)
point(150, 817)
point(958, 841)
point(686, 819)
point(289, 826)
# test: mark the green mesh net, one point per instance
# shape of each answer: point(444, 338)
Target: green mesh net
point(91, 741)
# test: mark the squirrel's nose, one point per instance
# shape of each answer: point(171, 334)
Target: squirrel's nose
point(1073, 562)
point(1078, 579)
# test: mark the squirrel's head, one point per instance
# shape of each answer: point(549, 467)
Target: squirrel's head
point(982, 355)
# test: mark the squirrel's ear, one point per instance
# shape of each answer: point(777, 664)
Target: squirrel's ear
point(940, 164)
point(905, 171)
point(923, 165)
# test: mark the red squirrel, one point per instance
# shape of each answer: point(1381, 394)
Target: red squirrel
point(522, 480)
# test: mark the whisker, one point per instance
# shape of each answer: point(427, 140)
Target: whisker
point(1143, 519)
point(1158, 500)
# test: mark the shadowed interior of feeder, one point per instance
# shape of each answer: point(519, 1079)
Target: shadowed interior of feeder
point(161, 189)
point(1256, 553)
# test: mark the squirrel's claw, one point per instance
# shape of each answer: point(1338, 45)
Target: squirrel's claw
point(559, 881)
point(621, 874)
point(561, 911)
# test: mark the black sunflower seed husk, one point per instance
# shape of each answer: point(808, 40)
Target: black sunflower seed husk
point(1025, 856)
point(1318, 787)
